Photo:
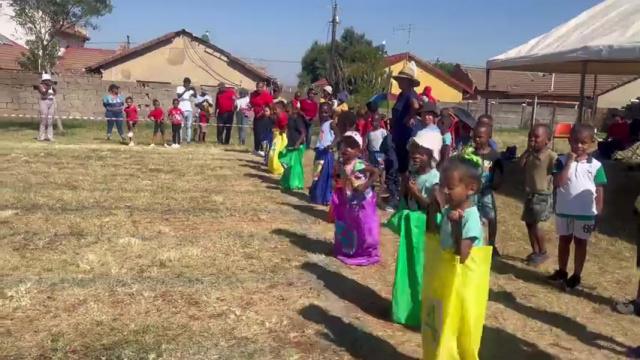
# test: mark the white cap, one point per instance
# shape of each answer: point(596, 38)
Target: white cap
point(328, 89)
point(429, 139)
point(46, 76)
point(355, 135)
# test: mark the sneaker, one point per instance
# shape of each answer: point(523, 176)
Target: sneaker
point(530, 256)
point(538, 259)
point(123, 139)
point(130, 134)
point(131, 144)
point(152, 145)
point(631, 307)
point(559, 275)
point(261, 153)
point(572, 282)
point(166, 145)
point(174, 146)
point(108, 137)
point(634, 353)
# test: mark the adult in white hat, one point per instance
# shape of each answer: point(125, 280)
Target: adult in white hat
point(47, 93)
point(404, 112)
point(327, 96)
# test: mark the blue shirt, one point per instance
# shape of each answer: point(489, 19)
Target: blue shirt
point(114, 106)
point(471, 228)
point(401, 133)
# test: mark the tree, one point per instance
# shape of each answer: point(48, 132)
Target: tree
point(359, 63)
point(447, 67)
point(42, 19)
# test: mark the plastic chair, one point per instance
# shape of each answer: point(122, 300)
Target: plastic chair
point(562, 131)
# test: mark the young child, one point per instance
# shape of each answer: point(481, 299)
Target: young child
point(420, 195)
point(357, 226)
point(131, 112)
point(279, 143)
point(374, 142)
point(444, 124)
point(291, 157)
point(176, 116)
point(391, 176)
point(488, 120)
point(538, 162)
point(579, 181)
point(428, 115)
point(203, 117)
point(157, 116)
point(267, 120)
point(491, 175)
point(320, 191)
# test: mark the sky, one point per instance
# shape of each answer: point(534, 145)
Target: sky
point(276, 33)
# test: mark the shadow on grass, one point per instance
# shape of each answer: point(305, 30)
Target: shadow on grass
point(362, 296)
point(501, 344)
point(12, 124)
point(256, 167)
point(320, 214)
point(264, 178)
point(503, 267)
point(359, 343)
point(295, 194)
point(303, 242)
point(559, 321)
point(238, 151)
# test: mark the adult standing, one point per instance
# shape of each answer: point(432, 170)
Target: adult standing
point(259, 99)
point(327, 96)
point(114, 111)
point(243, 111)
point(184, 94)
point(225, 105)
point(309, 110)
point(47, 92)
point(403, 114)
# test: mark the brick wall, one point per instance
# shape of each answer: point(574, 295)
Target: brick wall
point(78, 95)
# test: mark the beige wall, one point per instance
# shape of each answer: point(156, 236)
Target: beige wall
point(177, 60)
point(621, 96)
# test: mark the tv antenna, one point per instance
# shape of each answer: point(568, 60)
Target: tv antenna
point(406, 28)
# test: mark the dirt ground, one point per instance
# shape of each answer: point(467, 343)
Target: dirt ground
point(108, 251)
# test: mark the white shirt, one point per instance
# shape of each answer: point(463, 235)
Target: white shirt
point(577, 196)
point(242, 104)
point(185, 99)
point(200, 99)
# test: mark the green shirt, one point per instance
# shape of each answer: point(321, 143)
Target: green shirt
point(471, 228)
point(425, 183)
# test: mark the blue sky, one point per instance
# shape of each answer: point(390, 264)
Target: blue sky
point(464, 31)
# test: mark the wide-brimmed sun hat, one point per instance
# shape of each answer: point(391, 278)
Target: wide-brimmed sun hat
point(408, 72)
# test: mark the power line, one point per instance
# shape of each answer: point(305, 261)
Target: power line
point(271, 60)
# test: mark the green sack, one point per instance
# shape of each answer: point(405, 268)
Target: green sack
point(293, 176)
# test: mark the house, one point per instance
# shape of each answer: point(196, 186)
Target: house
point(10, 53)
point(173, 56)
point(444, 87)
point(527, 85)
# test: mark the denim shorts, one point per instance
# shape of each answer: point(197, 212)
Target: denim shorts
point(486, 203)
point(537, 208)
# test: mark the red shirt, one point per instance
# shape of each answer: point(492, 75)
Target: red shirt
point(225, 100)
point(259, 100)
point(295, 103)
point(132, 113)
point(619, 131)
point(281, 121)
point(364, 126)
point(156, 114)
point(309, 108)
point(176, 115)
point(204, 118)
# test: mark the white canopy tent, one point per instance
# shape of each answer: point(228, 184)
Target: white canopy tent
point(602, 40)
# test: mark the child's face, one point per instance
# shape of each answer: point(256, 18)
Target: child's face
point(580, 142)
point(376, 123)
point(456, 191)
point(538, 139)
point(444, 124)
point(350, 149)
point(427, 118)
point(267, 111)
point(420, 157)
point(481, 136)
point(325, 112)
point(156, 104)
point(129, 102)
point(175, 103)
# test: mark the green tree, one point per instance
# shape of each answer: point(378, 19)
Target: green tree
point(42, 19)
point(360, 65)
point(447, 67)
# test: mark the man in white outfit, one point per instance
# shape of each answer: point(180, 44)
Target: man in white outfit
point(184, 94)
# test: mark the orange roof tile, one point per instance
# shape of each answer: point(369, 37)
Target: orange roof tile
point(77, 59)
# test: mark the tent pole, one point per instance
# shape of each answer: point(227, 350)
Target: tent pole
point(583, 76)
point(486, 90)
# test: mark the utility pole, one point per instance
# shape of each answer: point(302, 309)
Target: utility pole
point(333, 73)
point(128, 42)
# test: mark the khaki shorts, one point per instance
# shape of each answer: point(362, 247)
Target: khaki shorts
point(538, 208)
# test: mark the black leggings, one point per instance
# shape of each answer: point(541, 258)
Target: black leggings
point(261, 127)
point(225, 121)
point(175, 133)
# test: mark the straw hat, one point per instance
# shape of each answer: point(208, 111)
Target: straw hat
point(409, 72)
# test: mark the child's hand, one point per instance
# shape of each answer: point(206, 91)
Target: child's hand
point(412, 187)
point(456, 215)
point(571, 157)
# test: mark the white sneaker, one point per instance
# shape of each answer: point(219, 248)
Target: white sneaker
point(152, 145)
point(166, 145)
point(130, 134)
point(261, 153)
point(175, 146)
point(131, 144)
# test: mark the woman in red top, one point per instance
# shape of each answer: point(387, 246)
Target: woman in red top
point(259, 99)
point(131, 112)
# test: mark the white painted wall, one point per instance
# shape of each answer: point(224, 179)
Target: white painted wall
point(621, 96)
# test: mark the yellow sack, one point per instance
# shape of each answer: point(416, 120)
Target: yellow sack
point(454, 301)
point(278, 145)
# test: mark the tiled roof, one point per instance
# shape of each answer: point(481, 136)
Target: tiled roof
point(428, 67)
point(10, 53)
point(147, 46)
point(77, 59)
point(530, 83)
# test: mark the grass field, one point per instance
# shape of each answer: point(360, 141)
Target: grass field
point(110, 252)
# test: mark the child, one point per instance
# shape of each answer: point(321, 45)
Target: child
point(203, 117)
point(538, 162)
point(320, 191)
point(444, 124)
point(291, 156)
point(428, 114)
point(266, 121)
point(176, 116)
point(579, 181)
point(419, 199)
point(131, 112)
point(279, 137)
point(391, 176)
point(157, 116)
point(491, 175)
point(357, 226)
point(488, 120)
point(374, 142)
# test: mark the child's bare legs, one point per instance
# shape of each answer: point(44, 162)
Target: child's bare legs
point(493, 231)
point(564, 250)
point(532, 231)
point(580, 255)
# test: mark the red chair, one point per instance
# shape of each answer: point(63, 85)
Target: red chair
point(562, 131)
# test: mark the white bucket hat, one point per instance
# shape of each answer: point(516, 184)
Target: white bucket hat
point(355, 135)
point(46, 76)
point(431, 140)
point(328, 89)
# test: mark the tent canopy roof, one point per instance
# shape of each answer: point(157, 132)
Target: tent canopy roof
point(605, 37)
